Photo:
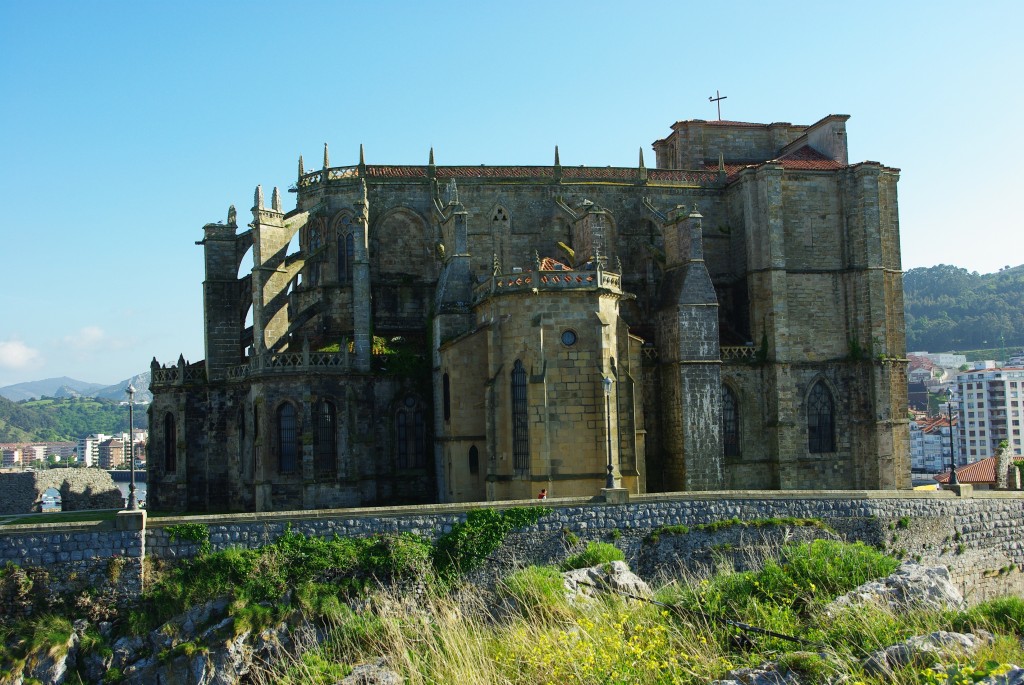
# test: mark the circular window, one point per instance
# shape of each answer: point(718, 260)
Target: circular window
point(410, 401)
point(568, 338)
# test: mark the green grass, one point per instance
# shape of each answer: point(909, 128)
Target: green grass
point(595, 554)
point(62, 517)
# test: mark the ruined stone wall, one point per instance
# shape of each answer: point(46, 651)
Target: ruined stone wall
point(79, 489)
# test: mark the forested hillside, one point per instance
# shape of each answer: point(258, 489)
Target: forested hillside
point(949, 308)
point(51, 420)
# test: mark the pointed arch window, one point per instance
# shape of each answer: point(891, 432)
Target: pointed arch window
point(411, 435)
point(325, 438)
point(730, 423)
point(820, 420)
point(446, 396)
point(520, 426)
point(474, 461)
point(313, 260)
point(170, 444)
point(346, 251)
point(287, 438)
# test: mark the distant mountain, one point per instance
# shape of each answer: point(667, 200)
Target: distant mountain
point(68, 387)
point(65, 387)
point(117, 391)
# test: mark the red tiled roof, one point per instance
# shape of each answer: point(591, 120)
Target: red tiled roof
point(979, 472)
point(494, 171)
point(396, 171)
point(808, 158)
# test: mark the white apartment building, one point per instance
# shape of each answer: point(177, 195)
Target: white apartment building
point(930, 445)
point(991, 410)
point(89, 449)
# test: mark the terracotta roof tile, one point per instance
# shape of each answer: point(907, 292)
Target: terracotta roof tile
point(979, 472)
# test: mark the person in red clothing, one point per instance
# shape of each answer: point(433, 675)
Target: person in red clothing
point(543, 494)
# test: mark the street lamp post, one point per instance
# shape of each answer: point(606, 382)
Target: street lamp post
point(953, 480)
point(133, 504)
point(607, 382)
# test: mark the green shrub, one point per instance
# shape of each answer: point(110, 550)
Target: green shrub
point(535, 589)
point(595, 554)
point(470, 542)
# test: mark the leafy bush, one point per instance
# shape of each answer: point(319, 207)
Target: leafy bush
point(595, 554)
point(470, 542)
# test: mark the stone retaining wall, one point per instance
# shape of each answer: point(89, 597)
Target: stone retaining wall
point(96, 559)
point(976, 537)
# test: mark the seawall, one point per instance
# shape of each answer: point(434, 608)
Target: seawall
point(977, 535)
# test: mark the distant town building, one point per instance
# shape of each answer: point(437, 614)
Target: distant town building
point(946, 359)
point(991, 404)
point(89, 449)
point(112, 454)
point(930, 446)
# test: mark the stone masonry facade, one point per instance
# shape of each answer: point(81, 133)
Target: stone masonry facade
point(729, 319)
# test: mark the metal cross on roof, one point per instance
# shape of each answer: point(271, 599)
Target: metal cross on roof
point(718, 100)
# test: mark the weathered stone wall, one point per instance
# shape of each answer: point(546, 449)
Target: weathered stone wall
point(79, 489)
point(976, 537)
point(98, 559)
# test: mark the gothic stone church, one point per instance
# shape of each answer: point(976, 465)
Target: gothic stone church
point(731, 318)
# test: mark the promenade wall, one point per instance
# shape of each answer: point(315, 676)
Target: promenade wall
point(976, 536)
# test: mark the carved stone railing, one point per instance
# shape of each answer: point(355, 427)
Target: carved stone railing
point(180, 374)
point(291, 362)
point(567, 174)
point(738, 353)
point(685, 176)
point(546, 280)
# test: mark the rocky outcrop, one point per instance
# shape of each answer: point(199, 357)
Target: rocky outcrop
point(925, 650)
point(911, 586)
point(614, 577)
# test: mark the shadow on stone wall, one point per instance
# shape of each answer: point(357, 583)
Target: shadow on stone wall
point(80, 489)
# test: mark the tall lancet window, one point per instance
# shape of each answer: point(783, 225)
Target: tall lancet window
point(730, 423)
point(287, 438)
point(324, 439)
point(520, 427)
point(346, 251)
point(820, 420)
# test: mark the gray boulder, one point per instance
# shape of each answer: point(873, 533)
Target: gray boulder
point(911, 586)
point(583, 583)
point(926, 650)
point(376, 673)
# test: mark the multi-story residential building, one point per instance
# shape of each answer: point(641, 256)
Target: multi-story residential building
point(89, 449)
point(930, 445)
point(11, 457)
point(991, 404)
point(112, 453)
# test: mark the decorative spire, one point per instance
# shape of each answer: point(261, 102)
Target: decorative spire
point(232, 216)
point(721, 162)
point(362, 158)
point(275, 200)
point(302, 171)
point(258, 197)
point(495, 264)
point(641, 158)
point(536, 259)
point(431, 162)
point(557, 163)
point(327, 160)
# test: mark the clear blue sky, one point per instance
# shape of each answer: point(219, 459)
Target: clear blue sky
point(126, 126)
